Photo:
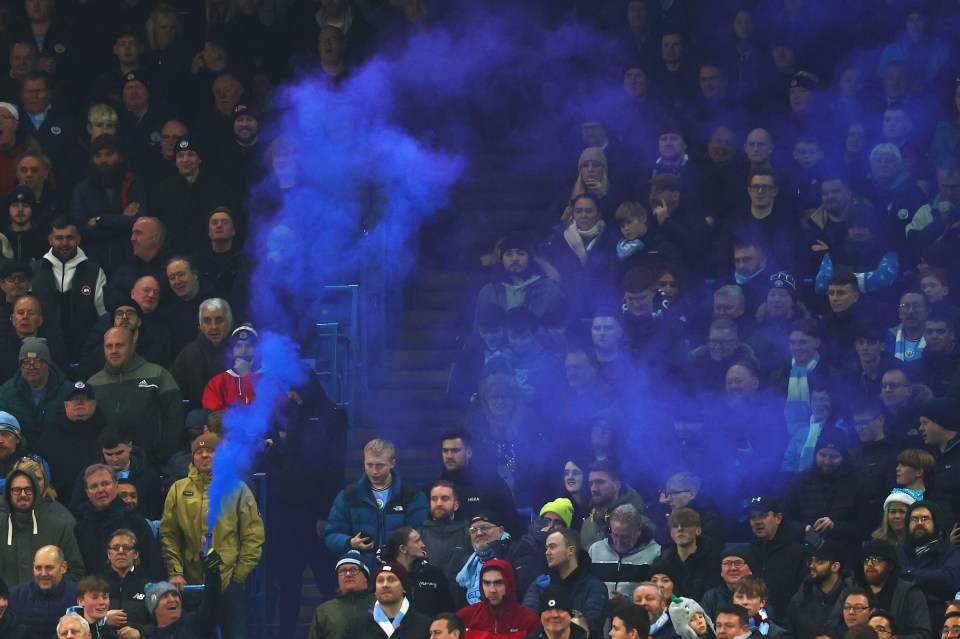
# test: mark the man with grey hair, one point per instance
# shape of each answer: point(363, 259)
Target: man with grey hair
point(73, 626)
point(623, 559)
point(202, 359)
point(37, 390)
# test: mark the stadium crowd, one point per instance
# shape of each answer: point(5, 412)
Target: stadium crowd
point(721, 370)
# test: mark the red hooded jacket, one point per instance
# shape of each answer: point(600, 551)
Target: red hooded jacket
point(514, 620)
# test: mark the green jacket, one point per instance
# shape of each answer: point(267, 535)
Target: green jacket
point(238, 535)
point(332, 616)
point(23, 534)
point(17, 399)
point(143, 401)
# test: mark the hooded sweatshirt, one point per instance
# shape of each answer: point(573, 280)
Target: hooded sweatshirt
point(509, 622)
point(23, 533)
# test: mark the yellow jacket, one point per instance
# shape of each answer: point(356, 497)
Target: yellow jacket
point(237, 536)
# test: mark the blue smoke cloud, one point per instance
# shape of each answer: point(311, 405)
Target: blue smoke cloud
point(247, 424)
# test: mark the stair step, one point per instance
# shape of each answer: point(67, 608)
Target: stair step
point(429, 338)
point(428, 317)
point(420, 379)
point(407, 359)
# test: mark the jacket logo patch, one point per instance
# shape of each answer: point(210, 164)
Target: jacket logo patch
point(139, 595)
point(87, 290)
point(56, 130)
point(473, 499)
point(145, 384)
point(188, 493)
point(398, 509)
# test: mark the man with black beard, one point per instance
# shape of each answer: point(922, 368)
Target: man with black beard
point(928, 558)
point(898, 596)
point(819, 592)
point(106, 204)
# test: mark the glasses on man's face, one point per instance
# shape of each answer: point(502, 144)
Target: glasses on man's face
point(124, 314)
point(856, 609)
point(882, 632)
point(892, 385)
point(950, 631)
point(912, 307)
point(670, 494)
point(18, 490)
point(873, 561)
point(733, 563)
point(348, 570)
point(31, 362)
point(121, 547)
point(483, 528)
point(761, 188)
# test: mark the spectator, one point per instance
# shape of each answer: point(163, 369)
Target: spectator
point(354, 596)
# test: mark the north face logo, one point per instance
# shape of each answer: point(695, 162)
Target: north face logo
point(145, 384)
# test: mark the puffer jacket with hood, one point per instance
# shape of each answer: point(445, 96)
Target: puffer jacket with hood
point(23, 533)
point(511, 621)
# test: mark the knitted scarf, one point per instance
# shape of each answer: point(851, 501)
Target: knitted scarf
point(903, 351)
point(384, 622)
point(626, 248)
point(797, 408)
point(760, 622)
point(469, 575)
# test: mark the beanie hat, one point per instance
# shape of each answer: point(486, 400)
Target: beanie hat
point(900, 497)
point(106, 141)
point(942, 411)
point(245, 333)
point(832, 438)
point(353, 557)
point(562, 507)
point(829, 550)
point(35, 347)
point(741, 552)
point(594, 153)
point(9, 424)
point(935, 511)
point(879, 548)
point(516, 240)
point(207, 440)
point(396, 569)
point(132, 303)
point(805, 80)
point(661, 566)
point(786, 282)
point(556, 596)
point(12, 109)
point(23, 194)
point(153, 592)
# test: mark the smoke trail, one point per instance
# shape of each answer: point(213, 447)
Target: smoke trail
point(247, 424)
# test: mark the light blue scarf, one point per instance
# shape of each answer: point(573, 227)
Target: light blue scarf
point(626, 248)
point(384, 621)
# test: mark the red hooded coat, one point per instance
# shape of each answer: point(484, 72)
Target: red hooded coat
point(514, 620)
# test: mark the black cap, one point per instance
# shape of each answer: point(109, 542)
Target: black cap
point(829, 550)
point(16, 266)
point(132, 303)
point(942, 411)
point(135, 76)
point(82, 388)
point(106, 141)
point(762, 503)
point(488, 517)
point(245, 108)
point(185, 143)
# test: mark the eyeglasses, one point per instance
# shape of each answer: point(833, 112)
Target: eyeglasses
point(25, 490)
point(873, 561)
point(31, 362)
point(912, 307)
point(882, 631)
point(892, 385)
point(733, 563)
point(348, 570)
point(761, 188)
point(920, 519)
point(6, 116)
point(670, 494)
point(953, 631)
point(485, 528)
point(125, 314)
point(123, 547)
point(856, 609)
